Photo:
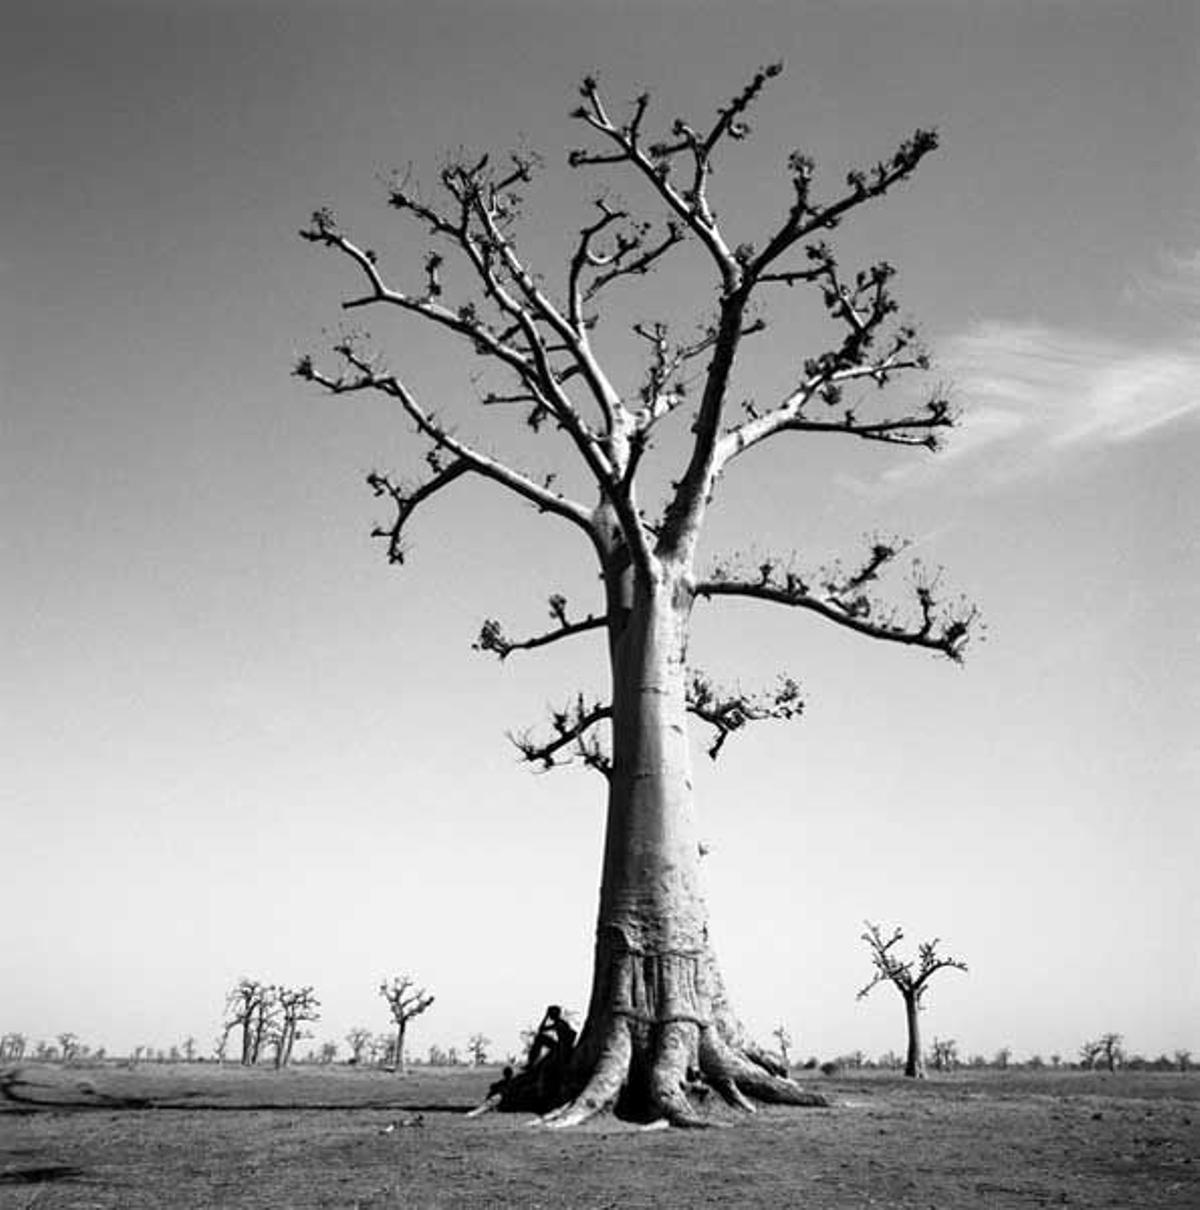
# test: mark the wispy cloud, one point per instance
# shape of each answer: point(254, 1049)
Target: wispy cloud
point(1033, 394)
point(1174, 279)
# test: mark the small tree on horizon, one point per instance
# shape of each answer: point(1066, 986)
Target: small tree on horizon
point(251, 1007)
point(1089, 1054)
point(296, 1005)
point(540, 342)
point(944, 1055)
point(12, 1046)
point(781, 1035)
point(405, 1001)
point(911, 982)
point(1111, 1050)
point(358, 1038)
point(477, 1048)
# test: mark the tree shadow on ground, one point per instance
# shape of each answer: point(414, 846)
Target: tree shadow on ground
point(41, 1175)
point(19, 1095)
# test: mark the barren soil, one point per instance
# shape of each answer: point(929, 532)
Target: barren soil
point(202, 1136)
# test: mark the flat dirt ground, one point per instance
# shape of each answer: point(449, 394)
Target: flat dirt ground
point(202, 1136)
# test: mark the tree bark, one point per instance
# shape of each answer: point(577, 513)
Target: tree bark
point(659, 1029)
point(400, 1027)
point(914, 1064)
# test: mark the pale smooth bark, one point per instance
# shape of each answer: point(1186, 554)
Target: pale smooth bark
point(659, 1026)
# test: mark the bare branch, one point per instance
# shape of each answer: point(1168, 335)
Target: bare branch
point(727, 712)
point(481, 200)
point(405, 1000)
point(368, 376)
point(493, 638)
point(804, 217)
point(890, 968)
point(929, 963)
point(622, 263)
point(464, 321)
point(406, 500)
point(842, 598)
point(689, 203)
point(863, 308)
point(571, 727)
point(663, 390)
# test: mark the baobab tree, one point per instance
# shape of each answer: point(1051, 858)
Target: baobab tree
point(910, 980)
point(944, 1055)
point(252, 1007)
point(659, 1020)
point(296, 1005)
point(1107, 1049)
point(405, 1001)
point(357, 1039)
point(12, 1046)
point(781, 1035)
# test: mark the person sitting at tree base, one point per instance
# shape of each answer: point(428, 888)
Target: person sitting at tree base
point(554, 1040)
point(539, 1085)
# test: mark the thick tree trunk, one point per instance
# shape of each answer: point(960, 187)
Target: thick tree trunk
point(400, 1027)
point(914, 1064)
point(659, 1031)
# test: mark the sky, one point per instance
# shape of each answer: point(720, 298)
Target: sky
point(236, 743)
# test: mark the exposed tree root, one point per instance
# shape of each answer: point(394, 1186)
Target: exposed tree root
point(603, 1086)
point(651, 1073)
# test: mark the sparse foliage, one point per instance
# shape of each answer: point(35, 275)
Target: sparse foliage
point(477, 1048)
point(536, 340)
point(911, 980)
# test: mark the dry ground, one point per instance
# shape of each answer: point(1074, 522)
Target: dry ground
point(200, 1136)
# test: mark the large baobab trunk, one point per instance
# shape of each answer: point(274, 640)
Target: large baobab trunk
point(914, 1063)
point(658, 1023)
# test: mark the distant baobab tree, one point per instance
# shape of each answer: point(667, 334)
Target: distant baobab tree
point(659, 1022)
point(405, 1001)
point(477, 1047)
point(358, 1038)
point(1106, 1049)
point(252, 1008)
point(296, 1005)
point(944, 1055)
point(781, 1035)
point(12, 1046)
point(910, 980)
